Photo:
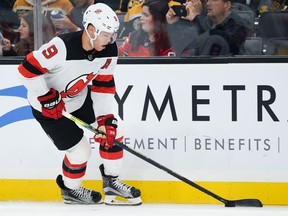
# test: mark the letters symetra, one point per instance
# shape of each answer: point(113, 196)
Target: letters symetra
point(167, 102)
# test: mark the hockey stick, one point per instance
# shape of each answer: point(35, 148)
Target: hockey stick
point(228, 203)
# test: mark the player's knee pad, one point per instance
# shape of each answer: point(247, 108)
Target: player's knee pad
point(79, 153)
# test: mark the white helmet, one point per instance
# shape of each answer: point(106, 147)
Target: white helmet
point(103, 18)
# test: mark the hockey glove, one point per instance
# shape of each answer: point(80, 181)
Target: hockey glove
point(52, 104)
point(108, 125)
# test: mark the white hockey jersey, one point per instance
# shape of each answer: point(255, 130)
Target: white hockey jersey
point(64, 65)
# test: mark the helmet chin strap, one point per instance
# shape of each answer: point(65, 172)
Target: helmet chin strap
point(91, 40)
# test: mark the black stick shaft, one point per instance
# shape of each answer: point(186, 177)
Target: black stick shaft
point(182, 178)
point(123, 146)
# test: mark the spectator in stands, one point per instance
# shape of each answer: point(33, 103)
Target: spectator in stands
point(222, 31)
point(23, 6)
point(248, 11)
point(26, 31)
point(184, 29)
point(117, 5)
point(80, 7)
point(73, 22)
point(9, 21)
point(4, 44)
point(131, 18)
point(7, 4)
point(151, 39)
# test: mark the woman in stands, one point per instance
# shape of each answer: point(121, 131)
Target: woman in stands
point(152, 38)
point(26, 30)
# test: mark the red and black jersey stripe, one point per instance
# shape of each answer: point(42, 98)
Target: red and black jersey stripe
point(30, 67)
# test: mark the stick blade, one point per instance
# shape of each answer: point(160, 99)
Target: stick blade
point(244, 203)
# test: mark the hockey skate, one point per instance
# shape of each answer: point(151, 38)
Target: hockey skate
point(78, 196)
point(114, 188)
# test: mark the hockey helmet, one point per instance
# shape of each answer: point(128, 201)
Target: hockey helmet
point(103, 18)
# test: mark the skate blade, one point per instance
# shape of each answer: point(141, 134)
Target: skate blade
point(73, 202)
point(120, 201)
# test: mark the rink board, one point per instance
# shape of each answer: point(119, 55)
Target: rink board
point(222, 125)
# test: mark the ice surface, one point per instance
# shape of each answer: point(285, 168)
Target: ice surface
point(60, 209)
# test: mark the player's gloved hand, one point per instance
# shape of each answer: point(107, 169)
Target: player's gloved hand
point(52, 104)
point(108, 125)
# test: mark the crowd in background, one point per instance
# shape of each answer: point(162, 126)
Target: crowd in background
point(155, 27)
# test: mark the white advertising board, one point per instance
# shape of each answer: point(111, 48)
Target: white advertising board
point(212, 122)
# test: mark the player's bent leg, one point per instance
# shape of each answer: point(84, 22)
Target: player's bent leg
point(113, 187)
point(74, 168)
point(115, 191)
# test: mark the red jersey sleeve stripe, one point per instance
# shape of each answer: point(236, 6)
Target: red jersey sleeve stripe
point(25, 73)
point(33, 61)
point(30, 67)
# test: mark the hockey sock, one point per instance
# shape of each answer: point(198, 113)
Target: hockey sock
point(74, 164)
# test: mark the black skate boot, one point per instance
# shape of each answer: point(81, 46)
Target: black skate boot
point(113, 187)
point(78, 196)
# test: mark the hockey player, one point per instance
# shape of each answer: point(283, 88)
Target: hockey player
point(74, 72)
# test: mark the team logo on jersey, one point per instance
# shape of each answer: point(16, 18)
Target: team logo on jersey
point(77, 85)
point(18, 114)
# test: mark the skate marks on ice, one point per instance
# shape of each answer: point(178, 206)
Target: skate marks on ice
point(59, 209)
